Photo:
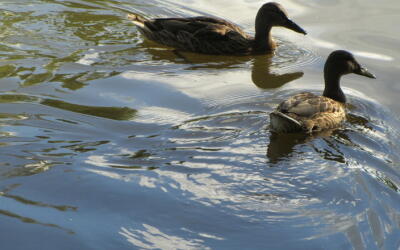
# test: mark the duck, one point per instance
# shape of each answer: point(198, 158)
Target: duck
point(216, 36)
point(309, 113)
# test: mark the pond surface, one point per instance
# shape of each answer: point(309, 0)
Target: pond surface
point(108, 141)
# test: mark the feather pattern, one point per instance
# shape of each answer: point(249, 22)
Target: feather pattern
point(198, 34)
point(313, 112)
point(308, 112)
point(211, 35)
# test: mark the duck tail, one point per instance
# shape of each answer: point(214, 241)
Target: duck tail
point(137, 20)
point(282, 123)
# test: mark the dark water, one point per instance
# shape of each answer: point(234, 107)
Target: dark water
point(108, 141)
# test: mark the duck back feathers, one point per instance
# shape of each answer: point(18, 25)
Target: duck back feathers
point(197, 34)
point(308, 113)
point(209, 35)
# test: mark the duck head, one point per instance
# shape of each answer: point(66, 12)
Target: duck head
point(273, 14)
point(341, 62)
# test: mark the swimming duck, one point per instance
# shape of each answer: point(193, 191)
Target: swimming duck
point(211, 35)
point(306, 112)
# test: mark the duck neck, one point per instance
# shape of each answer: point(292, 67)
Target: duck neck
point(332, 86)
point(263, 40)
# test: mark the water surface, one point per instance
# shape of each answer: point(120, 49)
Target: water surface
point(109, 141)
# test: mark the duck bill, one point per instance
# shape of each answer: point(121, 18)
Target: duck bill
point(364, 72)
point(293, 26)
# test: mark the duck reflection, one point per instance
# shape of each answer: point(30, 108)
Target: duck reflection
point(282, 146)
point(193, 60)
point(263, 78)
point(262, 73)
point(358, 121)
point(330, 144)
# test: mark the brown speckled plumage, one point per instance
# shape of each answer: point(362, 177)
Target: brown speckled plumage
point(313, 112)
point(308, 112)
point(211, 35)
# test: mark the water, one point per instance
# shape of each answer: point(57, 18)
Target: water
point(108, 141)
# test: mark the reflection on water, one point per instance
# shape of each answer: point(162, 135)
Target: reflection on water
point(8, 197)
point(281, 146)
point(115, 113)
point(110, 141)
point(4, 193)
point(264, 79)
point(31, 221)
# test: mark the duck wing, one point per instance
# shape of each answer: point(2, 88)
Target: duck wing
point(307, 105)
point(201, 26)
point(198, 34)
point(308, 112)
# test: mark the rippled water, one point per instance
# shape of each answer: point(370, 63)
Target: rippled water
point(108, 141)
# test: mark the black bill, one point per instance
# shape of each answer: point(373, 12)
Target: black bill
point(293, 26)
point(364, 72)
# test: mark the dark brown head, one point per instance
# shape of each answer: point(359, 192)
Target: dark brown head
point(273, 14)
point(342, 62)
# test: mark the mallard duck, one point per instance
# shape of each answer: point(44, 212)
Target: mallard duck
point(211, 35)
point(310, 113)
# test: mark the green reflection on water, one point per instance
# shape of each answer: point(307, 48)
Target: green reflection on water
point(5, 193)
point(86, 147)
point(30, 220)
point(6, 70)
point(114, 113)
point(17, 98)
point(4, 116)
